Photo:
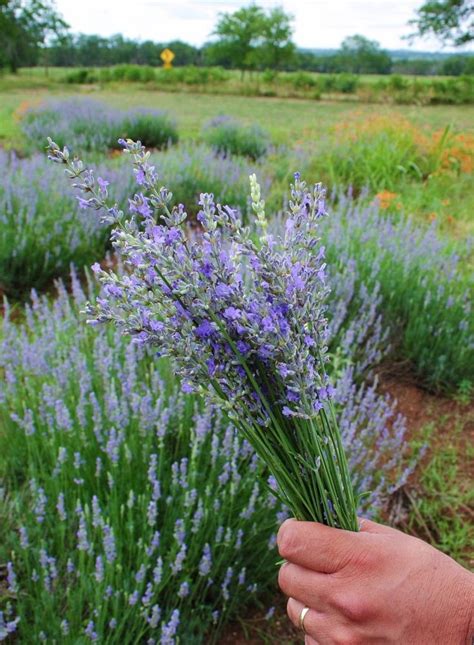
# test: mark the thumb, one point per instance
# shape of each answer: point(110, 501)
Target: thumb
point(368, 526)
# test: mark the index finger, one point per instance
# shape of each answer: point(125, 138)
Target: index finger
point(319, 547)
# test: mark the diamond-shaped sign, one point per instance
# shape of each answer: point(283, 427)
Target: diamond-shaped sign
point(167, 56)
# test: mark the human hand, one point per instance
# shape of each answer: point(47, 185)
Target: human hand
point(375, 586)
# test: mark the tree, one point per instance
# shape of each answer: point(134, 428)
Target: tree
point(360, 55)
point(93, 50)
point(240, 36)
point(185, 54)
point(25, 26)
point(277, 47)
point(451, 21)
point(250, 38)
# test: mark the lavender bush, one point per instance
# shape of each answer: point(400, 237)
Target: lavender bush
point(192, 169)
point(90, 125)
point(426, 292)
point(42, 228)
point(135, 503)
point(228, 136)
point(132, 511)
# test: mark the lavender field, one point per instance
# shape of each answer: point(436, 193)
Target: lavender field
point(133, 510)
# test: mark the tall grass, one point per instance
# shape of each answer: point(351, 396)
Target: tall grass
point(229, 136)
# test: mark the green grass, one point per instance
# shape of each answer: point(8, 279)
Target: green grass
point(288, 120)
point(442, 508)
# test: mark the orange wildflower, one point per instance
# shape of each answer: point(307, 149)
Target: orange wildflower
point(386, 198)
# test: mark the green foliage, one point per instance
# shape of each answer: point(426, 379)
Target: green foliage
point(249, 39)
point(82, 77)
point(387, 153)
point(394, 88)
point(277, 50)
point(346, 83)
point(426, 295)
point(189, 170)
point(360, 55)
point(132, 73)
point(118, 424)
point(25, 26)
point(458, 66)
point(91, 125)
point(440, 507)
point(451, 21)
point(152, 129)
point(455, 91)
point(84, 50)
point(302, 80)
point(191, 76)
point(42, 229)
point(229, 136)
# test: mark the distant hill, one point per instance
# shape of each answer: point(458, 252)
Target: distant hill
point(397, 54)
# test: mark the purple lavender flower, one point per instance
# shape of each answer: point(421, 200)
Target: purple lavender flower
point(90, 631)
point(11, 579)
point(109, 543)
point(24, 541)
point(155, 616)
point(206, 561)
point(7, 627)
point(177, 565)
point(99, 569)
point(169, 630)
point(183, 590)
point(205, 349)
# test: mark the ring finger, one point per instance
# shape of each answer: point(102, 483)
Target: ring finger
point(315, 622)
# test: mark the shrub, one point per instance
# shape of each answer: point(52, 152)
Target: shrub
point(457, 91)
point(191, 75)
point(381, 153)
point(229, 136)
point(136, 511)
point(398, 82)
point(132, 73)
point(346, 83)
point(327, 82)
point(154, 128)
point(81, 77)
point(90, 125)
point(426, 296)
point(190, 170)
point(42, 228)
point(303, 80)
point(269, 76)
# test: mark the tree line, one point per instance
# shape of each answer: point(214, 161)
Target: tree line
point(248, 39)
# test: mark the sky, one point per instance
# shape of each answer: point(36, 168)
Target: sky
point(317, 24)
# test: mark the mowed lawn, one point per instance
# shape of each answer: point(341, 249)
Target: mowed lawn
point(289, 121)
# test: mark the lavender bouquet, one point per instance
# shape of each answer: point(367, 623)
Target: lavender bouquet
point(241, 315)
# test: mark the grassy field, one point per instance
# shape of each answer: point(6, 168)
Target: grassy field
point(288, 120)
point(302, 123)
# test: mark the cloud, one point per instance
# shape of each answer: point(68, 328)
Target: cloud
point(318, 23)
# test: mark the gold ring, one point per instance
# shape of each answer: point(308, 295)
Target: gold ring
point(303, 613)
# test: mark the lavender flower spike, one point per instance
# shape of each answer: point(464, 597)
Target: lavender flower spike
point(242, 321)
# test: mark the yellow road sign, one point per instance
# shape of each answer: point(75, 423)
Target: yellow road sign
point(167, 56)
